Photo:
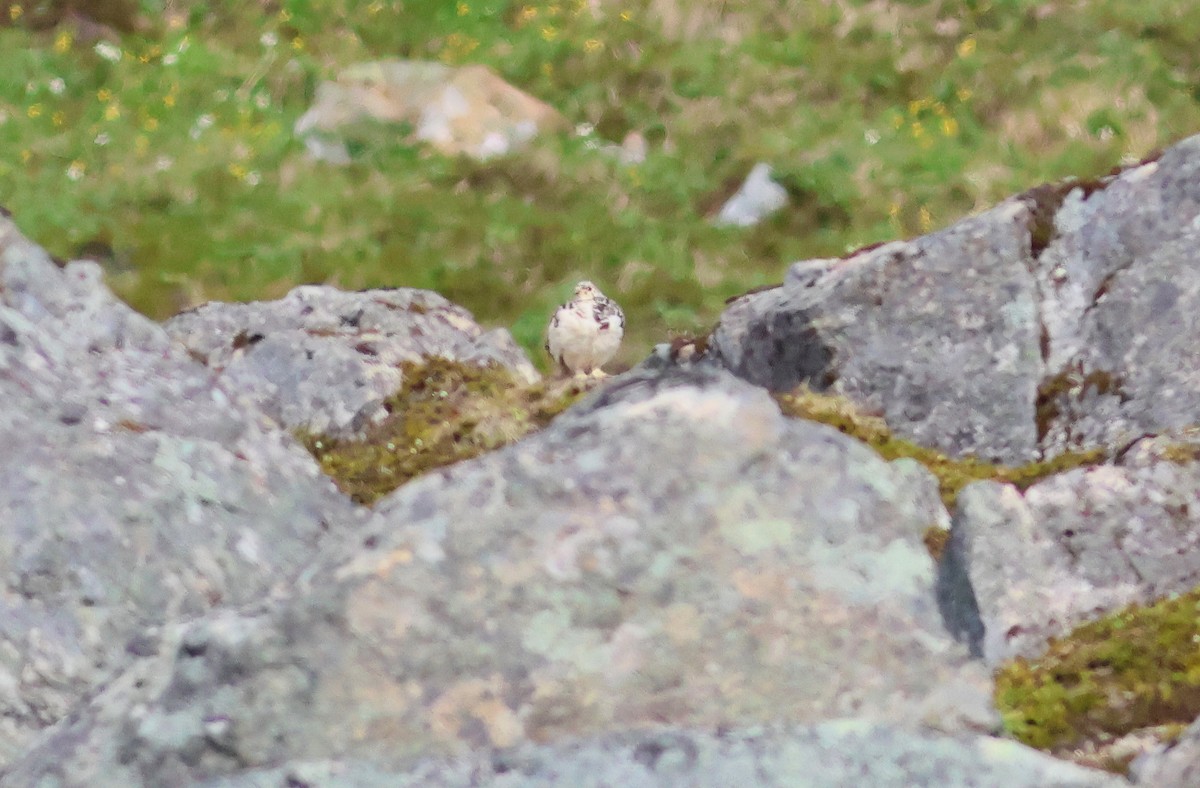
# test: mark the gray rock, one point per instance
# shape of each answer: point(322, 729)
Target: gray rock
point(132, 492)
point(758, 198)
point(325, 360)
point(1174, 767)
point(1073, 547)
point(1065, 318)
point(672, 551)
point(1121, 299)
point(941, 334)
point(841, 754)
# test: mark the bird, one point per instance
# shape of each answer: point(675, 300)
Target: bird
point(585, 332)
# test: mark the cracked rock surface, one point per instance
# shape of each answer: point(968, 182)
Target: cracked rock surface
point(1062, 319)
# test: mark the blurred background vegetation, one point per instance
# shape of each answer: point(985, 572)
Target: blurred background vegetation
point(156, 136)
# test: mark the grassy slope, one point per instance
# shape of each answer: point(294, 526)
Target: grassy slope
point(884, 119)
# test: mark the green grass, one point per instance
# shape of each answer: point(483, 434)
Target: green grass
point(884, 120)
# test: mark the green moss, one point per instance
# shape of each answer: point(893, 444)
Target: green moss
point(445, 412)
point(1134, 669)
point(1179, 453)
point(952, 474)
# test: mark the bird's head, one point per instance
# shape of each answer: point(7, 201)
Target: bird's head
point(585, 291)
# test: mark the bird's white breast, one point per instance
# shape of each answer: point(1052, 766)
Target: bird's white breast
point(578, 341)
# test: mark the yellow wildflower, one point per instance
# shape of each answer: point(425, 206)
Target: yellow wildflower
point(104, 94)
point(926, 219)
point(949, 127)
point(112, 112)
point(62, 43)
point(34, 111)
point(593, 45)
point(463, 8)
point(58, 119)
point(15, 11)
point(549, 33)
point(966, 47)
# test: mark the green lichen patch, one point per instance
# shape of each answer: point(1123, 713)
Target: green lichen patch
point(445, 412)
point(1135, 669)
point(952, 474)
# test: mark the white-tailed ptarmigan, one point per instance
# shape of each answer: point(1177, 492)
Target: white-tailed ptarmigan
point(585, 332)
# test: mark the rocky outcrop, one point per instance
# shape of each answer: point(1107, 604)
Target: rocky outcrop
point(1062, 319)
point(324, 360)
point(133, 493)
point(674, 550)
point(672, 582)
point(940, 335)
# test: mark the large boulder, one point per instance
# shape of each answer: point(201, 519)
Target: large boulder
point(324, 360)
point(133, 493)
point(673, 550)
point(1064, 318)
point(939, 334)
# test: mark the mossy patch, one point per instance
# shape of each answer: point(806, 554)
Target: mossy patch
point(952, 474)
point(936, 540)
point(1072, 382)
point(1044, 202)
point(445, 412)
point(1131, 670)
